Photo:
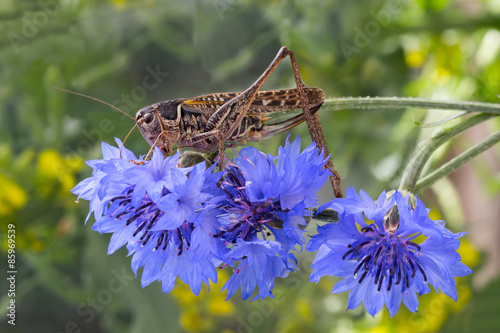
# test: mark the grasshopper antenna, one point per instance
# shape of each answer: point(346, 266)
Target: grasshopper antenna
point(97, 99)
point(123, 143)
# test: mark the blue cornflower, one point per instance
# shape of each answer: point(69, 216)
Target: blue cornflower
point(164, 214)
point(265, 199)
point(92, 188)
point(385, 260)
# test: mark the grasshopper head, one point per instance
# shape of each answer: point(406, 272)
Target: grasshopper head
point(160, 122)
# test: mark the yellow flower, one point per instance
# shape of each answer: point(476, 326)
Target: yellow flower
point(183, 294)
point(191, 321)
point(208, 305)
point(12, 196)
point(120, 4)
point(415, 58)
point(304, 309)
point(53, 167)
point(468, 253)
point(219, 307)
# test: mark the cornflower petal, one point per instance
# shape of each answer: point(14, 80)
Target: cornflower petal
point(153, 176)
point(258, 267)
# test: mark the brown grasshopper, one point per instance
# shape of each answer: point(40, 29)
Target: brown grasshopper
point(208, 123)
point(201, 124)
point(205, 123)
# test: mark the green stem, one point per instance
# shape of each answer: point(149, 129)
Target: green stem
point(426, 148)
point(456, 162)
point(405, 102)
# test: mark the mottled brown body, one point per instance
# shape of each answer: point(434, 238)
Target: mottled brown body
point(189, 119)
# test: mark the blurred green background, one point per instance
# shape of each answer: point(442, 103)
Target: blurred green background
point(109, 49)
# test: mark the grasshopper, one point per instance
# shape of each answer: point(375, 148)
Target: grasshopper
point(204, 123)
point(208, 123)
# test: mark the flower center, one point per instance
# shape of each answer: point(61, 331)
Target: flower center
point(144, 217)
point(386, 257)
point(245, 219)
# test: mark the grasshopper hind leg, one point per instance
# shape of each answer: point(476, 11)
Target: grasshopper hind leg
point(221, 151)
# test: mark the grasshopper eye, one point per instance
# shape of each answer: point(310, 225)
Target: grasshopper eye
point(148, 117)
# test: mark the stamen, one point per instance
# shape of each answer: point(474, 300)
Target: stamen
point(188, 243)
point(377, 276)
point(413, 270)
point(399, 276)
point(220, 233)
point(389, 284)
point(121, 214)
point(421, 271)
point(118, 198)
point(180, 246)
point(417, 246)
point(143, 206)
point(380, 283)
point(124, 202)
point(143, 224)
point(375, 259)
point(358, 247)
point(363, 277)
point(131, 219)
point(159, 241)
point(363, 262)
point(394, 266)
point(146, 240)
point(347, 253)
point(355, 249)
point(367, 228)
point(153, 220)
point(165, 243)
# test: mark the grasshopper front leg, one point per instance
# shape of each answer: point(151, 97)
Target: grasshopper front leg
point(167, 147)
